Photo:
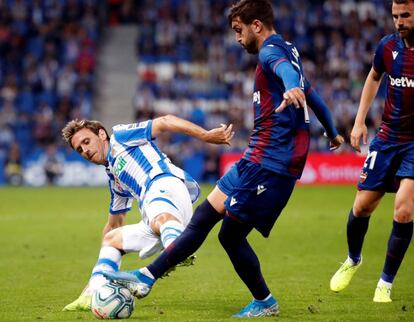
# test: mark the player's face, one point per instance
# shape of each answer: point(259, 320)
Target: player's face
point(91, 146)
point(245, 36)
point(403, 16)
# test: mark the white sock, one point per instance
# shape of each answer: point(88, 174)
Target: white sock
point(350, 261)
point(109, 260)
point(169, 231)
point(381, 282)
point(265, 299)
point(146, 272)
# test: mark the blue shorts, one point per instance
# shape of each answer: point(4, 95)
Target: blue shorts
point(386, 164)
point(256, 195)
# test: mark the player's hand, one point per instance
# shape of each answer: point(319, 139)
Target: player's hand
point(336, 142)
point(358, 131)
point(293, 96)
point(220, 135)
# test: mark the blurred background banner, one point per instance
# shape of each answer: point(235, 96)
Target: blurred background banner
point(320, 168)
point(124, 61)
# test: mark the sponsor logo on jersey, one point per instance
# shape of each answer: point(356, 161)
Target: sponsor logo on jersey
point(137, 125)
point(401, 82)
point(119, 165)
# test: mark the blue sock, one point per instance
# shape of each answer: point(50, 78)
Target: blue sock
point(398, 243)
point(232, 237)
point(356, 229)
point(204, 219)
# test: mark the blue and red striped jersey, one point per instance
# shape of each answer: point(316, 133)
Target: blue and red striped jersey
point(279, 141)
point(396, 62)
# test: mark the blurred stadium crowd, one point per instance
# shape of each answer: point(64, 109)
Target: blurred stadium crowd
point(47, 61)
point(188, 63)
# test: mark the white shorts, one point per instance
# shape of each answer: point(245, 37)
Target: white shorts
point(166, 195)
point(170, 195)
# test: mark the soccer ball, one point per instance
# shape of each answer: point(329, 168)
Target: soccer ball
point(112, 301)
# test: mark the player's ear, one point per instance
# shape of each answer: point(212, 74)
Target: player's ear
point(102, 134)
point(257, 25)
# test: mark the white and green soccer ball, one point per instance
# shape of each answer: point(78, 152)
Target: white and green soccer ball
point(112, 301)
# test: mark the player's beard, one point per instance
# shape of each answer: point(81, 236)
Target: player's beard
point(251, 44)
point(407, 34)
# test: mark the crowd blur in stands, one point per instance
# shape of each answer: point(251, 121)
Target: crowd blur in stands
point(47, 61)
point(188, 63)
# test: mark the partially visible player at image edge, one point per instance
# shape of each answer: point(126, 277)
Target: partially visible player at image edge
point(389, 166)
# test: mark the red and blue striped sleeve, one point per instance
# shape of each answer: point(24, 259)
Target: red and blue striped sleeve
point(321, 110)
point(378, 61)
point(273, 58)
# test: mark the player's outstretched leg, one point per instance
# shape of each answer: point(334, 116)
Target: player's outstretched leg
point(256, 308)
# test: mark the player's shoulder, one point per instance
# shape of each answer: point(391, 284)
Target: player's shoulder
point(274, 45)
point(130, 127)
point(390, 39)
point(133, 134)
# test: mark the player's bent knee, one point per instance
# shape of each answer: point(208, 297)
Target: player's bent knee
point(113, 238)
point(161, 219)
point(223, 238)
point(362, 210)
point(403, 214)
point(226, 238)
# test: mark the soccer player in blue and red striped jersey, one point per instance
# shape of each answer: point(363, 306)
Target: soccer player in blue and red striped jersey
point(389, 166)
point(254, 192)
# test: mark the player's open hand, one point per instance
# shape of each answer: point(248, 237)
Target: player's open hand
point(293, 96)
point(336, 142)
point(358, 131)
point(220, 135)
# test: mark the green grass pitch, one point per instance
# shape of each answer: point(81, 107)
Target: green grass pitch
point(50, 237)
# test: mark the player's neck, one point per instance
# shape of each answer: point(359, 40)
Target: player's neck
point(264, 35)
point(106, 149)
point(409, 43)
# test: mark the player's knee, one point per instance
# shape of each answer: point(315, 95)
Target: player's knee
point(362, 210)
point(161, 219)
point(113, 238)
point(205, 217)
point(403, 212)
point(224, 238)
point(227, 238)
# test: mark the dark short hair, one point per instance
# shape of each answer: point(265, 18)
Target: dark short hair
point(249, 10)
point(74, 126)
point(402, 1)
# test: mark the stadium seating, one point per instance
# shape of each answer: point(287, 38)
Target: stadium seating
point(188, 64)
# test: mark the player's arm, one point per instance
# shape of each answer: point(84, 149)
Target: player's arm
point(113, 222)
point(291, 80)
point(119, 206)
point(370, 90)
point(324, 116)
point(274, 59)
point(171, 123)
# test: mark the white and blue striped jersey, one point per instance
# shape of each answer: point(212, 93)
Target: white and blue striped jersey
point(134, 161)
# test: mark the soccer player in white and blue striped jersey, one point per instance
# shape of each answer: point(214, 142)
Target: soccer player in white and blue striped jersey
point(137, 169)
